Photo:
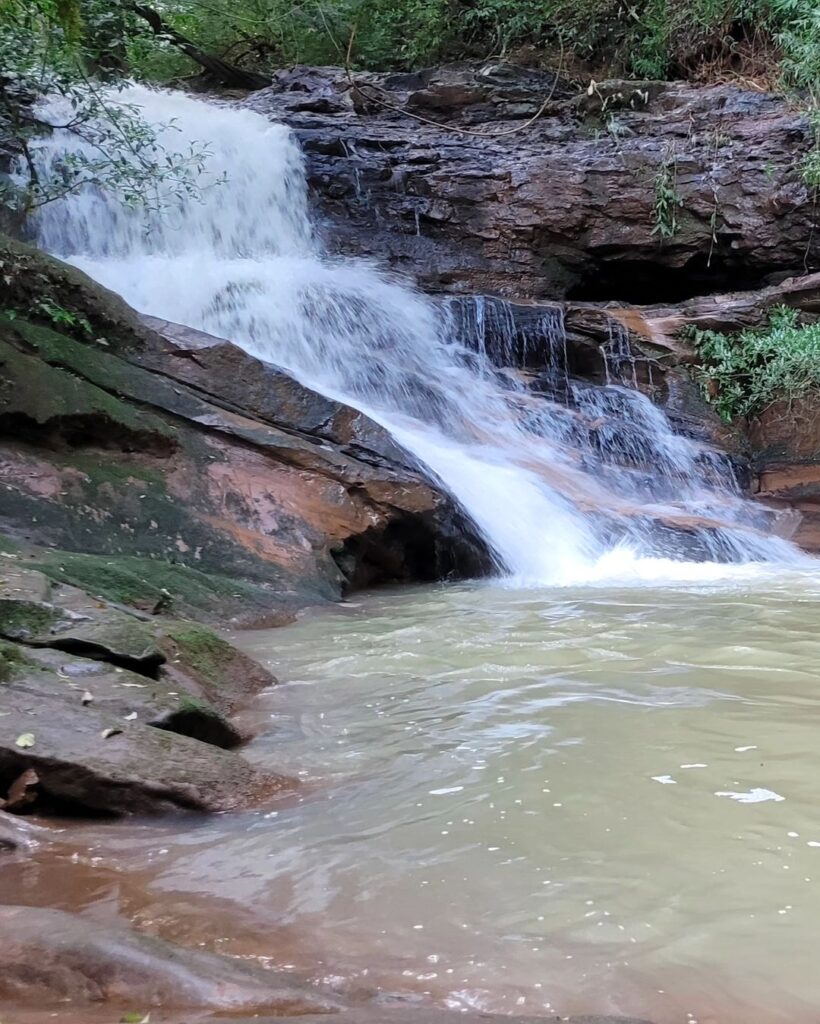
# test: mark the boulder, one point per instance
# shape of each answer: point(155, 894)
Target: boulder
point(51, 959)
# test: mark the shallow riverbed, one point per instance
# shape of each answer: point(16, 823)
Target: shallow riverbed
point(601, 799)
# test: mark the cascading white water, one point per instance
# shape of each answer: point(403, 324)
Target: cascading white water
point(242, 263)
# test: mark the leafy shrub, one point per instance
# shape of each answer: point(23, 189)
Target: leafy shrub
point(743, 374)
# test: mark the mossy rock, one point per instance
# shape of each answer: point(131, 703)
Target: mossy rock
point(45, 397)
point(33, 279)
point(26, 620)
point(226, 675)
point(8, 546)
point(12, 661)
point(153, 583)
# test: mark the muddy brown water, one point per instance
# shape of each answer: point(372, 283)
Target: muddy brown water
point(528, 801)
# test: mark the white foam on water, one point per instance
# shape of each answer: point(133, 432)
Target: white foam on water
point(753, 796)
point(242, 262)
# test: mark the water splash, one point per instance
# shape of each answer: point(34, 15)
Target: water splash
point(554, 485)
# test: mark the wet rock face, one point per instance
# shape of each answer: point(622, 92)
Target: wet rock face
point(564, 206)
point(786, 445)
point(172, 466)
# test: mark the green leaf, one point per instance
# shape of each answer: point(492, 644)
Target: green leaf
point(24, 740)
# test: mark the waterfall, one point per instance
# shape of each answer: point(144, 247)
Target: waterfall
point(559, 486)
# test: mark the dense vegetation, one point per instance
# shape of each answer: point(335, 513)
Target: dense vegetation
point(761, 39)
point(75, 51)
point(743, 374)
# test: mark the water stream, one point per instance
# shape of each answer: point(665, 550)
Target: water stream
point(563, 491)
point(589, 800)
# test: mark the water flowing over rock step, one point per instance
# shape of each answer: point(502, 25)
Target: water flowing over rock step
point(611, 433)
point(207, 458)
point(564, 207)
point(557, 348)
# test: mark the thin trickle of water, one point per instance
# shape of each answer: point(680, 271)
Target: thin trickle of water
point(554, 486)
point(619, 360)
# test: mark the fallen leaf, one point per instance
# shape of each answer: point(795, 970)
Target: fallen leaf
point(24, 740)
point(87, 698)
point(135, 1018)
point(110, 732)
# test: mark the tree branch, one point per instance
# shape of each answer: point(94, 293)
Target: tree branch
point(225, 73)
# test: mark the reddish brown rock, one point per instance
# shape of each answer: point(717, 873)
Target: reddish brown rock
point(786, 443)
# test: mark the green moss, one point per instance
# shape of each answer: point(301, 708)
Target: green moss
point(24, 619)
point(46, 393)
point(202, 650)
point(11, 660)
point(101, 471)
point(193, 705)
point(8, 546)
point(146, 582)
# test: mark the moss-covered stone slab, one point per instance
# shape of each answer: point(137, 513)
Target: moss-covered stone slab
point(152, 584)
point(36, 396)
point(74, 622)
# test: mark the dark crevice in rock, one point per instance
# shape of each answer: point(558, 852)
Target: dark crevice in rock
point(645, 281)
point(413, 549)
point(201, 723)
point(147, 666)
point(83, 430)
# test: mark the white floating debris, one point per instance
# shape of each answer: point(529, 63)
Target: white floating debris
point(444, 792)
point(754, 796)
point(742, 750)
point(694, 766)
point(665, 780)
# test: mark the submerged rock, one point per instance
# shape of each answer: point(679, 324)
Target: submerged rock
point(51, 959)
point(18, 835)
point(432, 1015)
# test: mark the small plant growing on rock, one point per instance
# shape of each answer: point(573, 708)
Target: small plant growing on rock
point(743, 374)
point(667, 198)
